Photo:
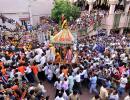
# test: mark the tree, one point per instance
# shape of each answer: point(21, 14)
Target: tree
point(66, 8)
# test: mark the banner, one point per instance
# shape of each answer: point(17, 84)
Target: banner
point(116, 21)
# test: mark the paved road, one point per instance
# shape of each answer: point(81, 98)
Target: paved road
point(51, 92)
point(85, 92)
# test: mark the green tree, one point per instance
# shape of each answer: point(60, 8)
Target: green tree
point(66, 8)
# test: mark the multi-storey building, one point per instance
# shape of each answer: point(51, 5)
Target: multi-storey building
point(24, 11)
point(118, 16)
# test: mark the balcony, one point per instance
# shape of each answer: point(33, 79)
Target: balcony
point(113, 1)
point(117, 20)
point(128, 0)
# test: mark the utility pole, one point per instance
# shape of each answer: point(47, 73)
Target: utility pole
point(30, 10)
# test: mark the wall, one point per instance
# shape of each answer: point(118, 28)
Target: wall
point(41, 8)
point(108, 21)
point(13, 6)
point(17, 8)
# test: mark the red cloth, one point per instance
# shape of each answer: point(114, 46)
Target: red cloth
point(122, 69)
point(21, 69)
point(35, 69)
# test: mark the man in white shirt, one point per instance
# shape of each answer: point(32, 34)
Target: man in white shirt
point(77, 78)
point(61, 77)
point(19, 74)
point(31, 88)
point(71, 82)
point(65, 84)
point(58, 86)
point(75, 71)
point(39, 51)
point(114, 95)
point(60, 97)
point(123, 82)
point(29, 74)
point(8, 62)
point(65, 96)
point(85, 73)
point(41, 87)
point(48, 52)
point(31, 60)
point(78, 82)
point(122, 56)
point(125, 60)
point(42, 60)
point(3, 59)
point(37, 58)
point(127, 97)
point(57, 72)
point(49, 75)
point(28, 70)
point(11, 73)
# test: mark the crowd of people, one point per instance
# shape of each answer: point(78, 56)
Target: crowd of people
point(102, 67)
point(109, 65)
point(100, 63)
point(87, 20)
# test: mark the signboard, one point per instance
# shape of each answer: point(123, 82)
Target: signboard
point(116, 23)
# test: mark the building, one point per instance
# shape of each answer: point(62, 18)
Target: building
point(25, 11)
point(118, 17)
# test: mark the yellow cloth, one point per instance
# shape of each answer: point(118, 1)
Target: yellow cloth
point(65, 25)
point(58, 58)
point(103, 93)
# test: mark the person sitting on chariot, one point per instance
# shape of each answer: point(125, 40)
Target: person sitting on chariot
point(58, 58)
